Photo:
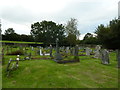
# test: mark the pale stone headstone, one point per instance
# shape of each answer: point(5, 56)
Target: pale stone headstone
point(41, 52)
point(67, 49)
point(105, 56)
point(32, 48)
point(88, 51)
point(97, 52)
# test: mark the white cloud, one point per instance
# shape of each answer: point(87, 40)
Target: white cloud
point(20, 14)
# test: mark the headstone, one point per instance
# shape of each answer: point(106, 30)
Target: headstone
point(88, 51)
point(105, 56)
point(76, 51)
point(118, 57)
point(41, 52)
point(67, 49)
point(58, 55)
point(97, 52)
point(51, 51)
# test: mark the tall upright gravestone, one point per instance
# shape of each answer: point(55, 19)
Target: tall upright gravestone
point(118, 57)
point(105, 56)
point(51, 51)
point(88, 51)
point(58, 55)
point(76, 57)
point(97, 52)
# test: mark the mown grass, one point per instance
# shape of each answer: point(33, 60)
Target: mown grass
point(88, 73)
point(21, 42)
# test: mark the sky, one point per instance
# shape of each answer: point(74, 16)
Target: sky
point(20, 14)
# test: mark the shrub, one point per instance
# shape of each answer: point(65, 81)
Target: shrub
point(18, 52)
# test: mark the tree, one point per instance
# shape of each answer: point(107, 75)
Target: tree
point(9, 31)
point(47, 32)
point(11, 35)
point(90, 39)
point(109, 36)
point(72, 31)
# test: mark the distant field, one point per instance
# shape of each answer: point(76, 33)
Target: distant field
point(21, 42)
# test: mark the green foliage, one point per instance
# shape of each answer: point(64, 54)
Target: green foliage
point(9, 31)
point(90, 39)
point(18, 52)
point(47, 31)
point(109, 36)
point(72, 32)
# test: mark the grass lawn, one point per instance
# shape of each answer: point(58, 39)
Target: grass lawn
point(21, 42)
point(88, 73)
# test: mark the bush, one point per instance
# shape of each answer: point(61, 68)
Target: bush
point(18, 52)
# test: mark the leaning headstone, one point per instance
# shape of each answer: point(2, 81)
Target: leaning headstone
point(105, 56)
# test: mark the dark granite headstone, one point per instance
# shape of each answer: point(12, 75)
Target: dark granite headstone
point(51, 51)
point(57, 55)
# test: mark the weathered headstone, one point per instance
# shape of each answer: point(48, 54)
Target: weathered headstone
point(105, 56)
point(97, 52)
point(76, 51)
point(58, 55)
point(118, 58)
point(67, 49)
point(51, 51)
point(88, 51)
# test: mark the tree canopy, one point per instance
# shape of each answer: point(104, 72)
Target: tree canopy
point(47, 32)
point(109, 35)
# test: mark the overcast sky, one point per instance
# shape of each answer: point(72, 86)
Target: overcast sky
point(20, 14)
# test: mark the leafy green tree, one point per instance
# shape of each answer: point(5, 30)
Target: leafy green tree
point(9, 31)
point(47, 32)
point(90, 39)
point(109, 36)
point(72, 32)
